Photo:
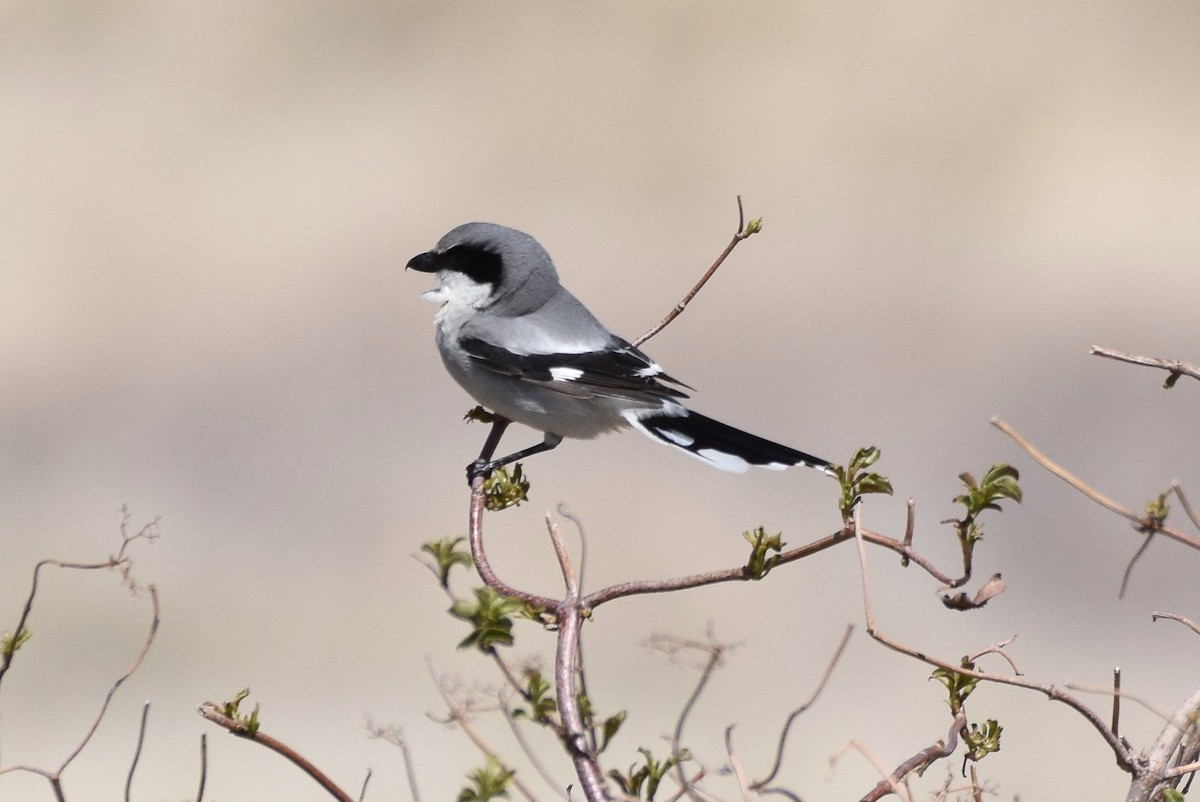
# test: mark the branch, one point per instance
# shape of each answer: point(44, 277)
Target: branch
point(758, 785)
point(1144, 524)
point(742, 574)
point(1122, 753)
point(936, 751)
point(213, 713)
point(475, 539)
point(743, 232)
point(1173, 366)
point(137, 661)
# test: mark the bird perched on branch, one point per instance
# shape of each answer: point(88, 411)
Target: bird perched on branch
point(524, 347)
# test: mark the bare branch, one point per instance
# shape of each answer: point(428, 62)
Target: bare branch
point(936, 751)
point(203, 766)
point(395, 737)
point(890, 783)
point(758, 785)
point(1173, 617)
point(1173, 366)
point(1117, 693)
point(736, 764)
point(475, 539)
point(1187, 506)
point(137, 661)
point(137, 752)
point(743, 232)
point(566, 668)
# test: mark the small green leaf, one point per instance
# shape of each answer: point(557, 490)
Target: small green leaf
point(541, 700)
point(612, 725)
point(1167, 385)
point(9, 645)
point(446, 555)
point(1172, 794)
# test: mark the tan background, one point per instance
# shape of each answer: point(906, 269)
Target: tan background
point(205, 210)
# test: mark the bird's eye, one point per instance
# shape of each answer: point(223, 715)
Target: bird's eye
point(478, 264)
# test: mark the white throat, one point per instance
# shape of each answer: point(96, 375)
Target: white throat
point(457, 294)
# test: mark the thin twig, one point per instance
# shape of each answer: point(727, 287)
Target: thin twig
point(1187, 506)
point(889, 782)
point(1116, 708)
point(1173, 366)
point(757, 785)
point(1117, 693)
point(716, 653)
point(530, 755)
point(362, 795)
point(743, 232)
point(203, 766)
point(137, 752)
point(213, 713)
point(395, 737)
point(1193, 626)
point(736, 764)
point(1062, 473)
point(137, 661)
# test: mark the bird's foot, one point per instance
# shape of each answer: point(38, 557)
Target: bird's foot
point(478, 468)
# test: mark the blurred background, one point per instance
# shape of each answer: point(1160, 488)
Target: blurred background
point(206, 210)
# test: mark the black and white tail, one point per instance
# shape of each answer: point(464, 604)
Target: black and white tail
point(718, 444)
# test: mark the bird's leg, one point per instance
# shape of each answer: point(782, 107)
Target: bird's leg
point(484, 465)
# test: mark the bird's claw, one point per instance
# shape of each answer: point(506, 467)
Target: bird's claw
point(478, 468)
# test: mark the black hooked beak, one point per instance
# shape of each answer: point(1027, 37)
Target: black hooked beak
point(423, 262)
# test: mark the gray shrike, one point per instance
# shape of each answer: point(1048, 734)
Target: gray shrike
point(525, 348)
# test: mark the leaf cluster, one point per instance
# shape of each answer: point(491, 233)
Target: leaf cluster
point(246, 723)
point(503, 489)
point(764, 552)
point(486, 783)
point(1000, 482)
point(641, 782)
point(856, 481)
point(490, 616)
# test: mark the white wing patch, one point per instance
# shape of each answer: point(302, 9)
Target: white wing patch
point(679, 439)
point(565, 374)
point(653, 369)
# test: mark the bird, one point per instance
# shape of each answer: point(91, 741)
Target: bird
point(528, 350)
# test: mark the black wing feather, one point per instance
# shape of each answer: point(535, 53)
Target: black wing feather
point(622, 370)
